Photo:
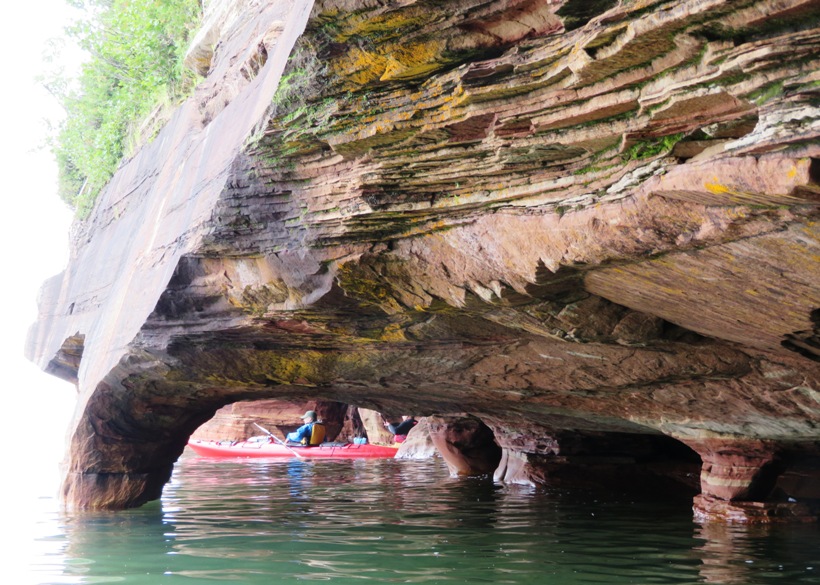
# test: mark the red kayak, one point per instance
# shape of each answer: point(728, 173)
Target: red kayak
point(267, 449)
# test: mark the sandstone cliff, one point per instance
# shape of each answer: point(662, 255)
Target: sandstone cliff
point(591, 226)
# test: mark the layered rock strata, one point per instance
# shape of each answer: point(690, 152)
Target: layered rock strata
point(591, 226)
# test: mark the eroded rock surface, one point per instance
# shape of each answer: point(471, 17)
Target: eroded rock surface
point(465, 443)
point(590, 225)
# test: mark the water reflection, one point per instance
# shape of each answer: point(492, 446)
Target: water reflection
point(101, 545)
point(739, 555)
point(259, 521)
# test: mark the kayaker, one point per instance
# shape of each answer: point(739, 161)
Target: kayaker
point(402, 428)
point(303, 433)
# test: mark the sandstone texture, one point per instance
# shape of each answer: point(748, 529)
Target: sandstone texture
point(586, 228)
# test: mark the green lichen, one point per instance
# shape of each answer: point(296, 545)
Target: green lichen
point(650, 148)
point(767, 92)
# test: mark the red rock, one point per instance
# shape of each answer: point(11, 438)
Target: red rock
point(465, 443)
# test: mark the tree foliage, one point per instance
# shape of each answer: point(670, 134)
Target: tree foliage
point(135, 50)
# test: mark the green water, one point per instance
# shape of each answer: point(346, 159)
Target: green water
point(386, 521)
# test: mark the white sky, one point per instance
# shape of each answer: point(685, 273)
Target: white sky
point(33, 237)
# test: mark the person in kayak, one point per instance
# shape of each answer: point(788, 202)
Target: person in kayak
point(402, 428)
point(308, 433)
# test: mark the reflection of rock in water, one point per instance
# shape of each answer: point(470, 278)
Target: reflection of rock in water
point(724, 554)
point(102, 546)
point(738, 554)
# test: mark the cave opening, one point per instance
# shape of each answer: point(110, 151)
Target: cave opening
point(638, 465)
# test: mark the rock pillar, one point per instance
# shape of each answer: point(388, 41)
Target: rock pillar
point(112, 491)
point(740, 483)
point(466, 444)
point(418, 444)
point(513, 468)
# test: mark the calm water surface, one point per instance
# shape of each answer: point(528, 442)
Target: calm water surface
point(387, 521)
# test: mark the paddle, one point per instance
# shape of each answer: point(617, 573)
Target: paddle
point(278, 440)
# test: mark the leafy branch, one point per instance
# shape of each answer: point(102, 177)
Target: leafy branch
point(135, 50)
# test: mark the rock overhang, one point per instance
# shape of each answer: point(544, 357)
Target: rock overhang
point(596, 218)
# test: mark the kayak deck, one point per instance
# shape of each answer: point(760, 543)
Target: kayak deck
point(227, 449)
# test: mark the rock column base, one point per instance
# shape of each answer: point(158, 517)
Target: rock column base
point(710, 509)
point(113, 491)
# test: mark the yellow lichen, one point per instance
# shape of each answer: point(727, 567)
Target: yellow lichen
point(365, 286)
point(392, 23)
point(393, 332)
point(719, 189)
point(392, 61)
point(287, 370)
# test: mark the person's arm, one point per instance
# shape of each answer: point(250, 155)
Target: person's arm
point(404, 427)
point(300, 434)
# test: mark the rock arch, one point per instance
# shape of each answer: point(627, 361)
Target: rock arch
point(523, 218)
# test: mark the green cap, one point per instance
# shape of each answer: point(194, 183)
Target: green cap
point(309, 414)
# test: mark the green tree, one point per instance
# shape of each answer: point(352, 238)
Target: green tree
point(135, 50)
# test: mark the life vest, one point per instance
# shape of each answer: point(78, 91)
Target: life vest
point(317, 434)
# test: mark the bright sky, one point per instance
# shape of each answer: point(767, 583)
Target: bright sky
point(34, 237)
